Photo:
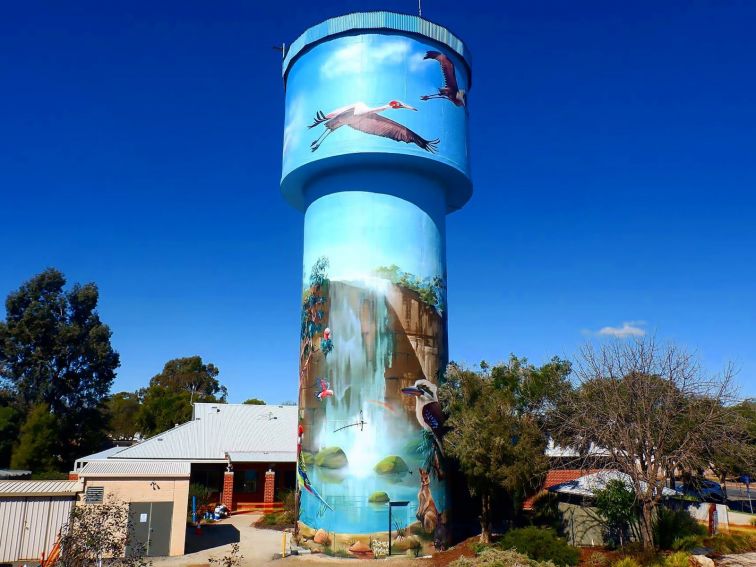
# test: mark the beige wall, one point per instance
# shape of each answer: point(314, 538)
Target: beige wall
point(134, 489)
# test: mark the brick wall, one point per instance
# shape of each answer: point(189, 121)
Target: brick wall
point(227, 496)
point(270, 486)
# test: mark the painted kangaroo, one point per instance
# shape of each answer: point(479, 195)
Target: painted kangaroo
point(427, 512)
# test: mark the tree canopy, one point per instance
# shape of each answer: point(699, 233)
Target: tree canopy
point(191, 375)
point(123, 410)
point(38, 446)
point(652, 409)
point(168, 400)
point(11, 418)
point(496, 427)
point(56, 352)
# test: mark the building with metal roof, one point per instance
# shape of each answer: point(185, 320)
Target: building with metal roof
point(588, 484)
point(244, 454)
point(217, 430)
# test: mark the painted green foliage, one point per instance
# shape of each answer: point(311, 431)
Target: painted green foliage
point(313, 305)
point(432, 291)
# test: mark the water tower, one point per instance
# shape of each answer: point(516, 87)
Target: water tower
point(375, 154)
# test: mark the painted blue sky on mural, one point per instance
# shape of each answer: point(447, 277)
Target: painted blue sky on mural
point(359, 232)
point(372, 71)
point(612, 154)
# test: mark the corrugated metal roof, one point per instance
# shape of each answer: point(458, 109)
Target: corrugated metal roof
point(136, 468)
point(553, 478)
point(377, 21)
point(262, 456)
point(587, 485)
point(39, 487)
point(219, 429)
point(102, 455)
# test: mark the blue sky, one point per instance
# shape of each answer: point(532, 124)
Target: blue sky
point(613, 157)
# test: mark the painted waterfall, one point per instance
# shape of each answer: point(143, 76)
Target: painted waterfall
point(373, 343)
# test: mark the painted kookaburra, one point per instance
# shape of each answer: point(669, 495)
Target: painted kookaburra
point(427, 409)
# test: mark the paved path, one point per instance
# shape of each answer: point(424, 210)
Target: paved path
point(320, 560)
point(739, 560)
point(257, 546)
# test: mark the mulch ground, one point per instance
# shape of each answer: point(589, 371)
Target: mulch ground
point(587, 552)
point(443, 558)
point(465, 548)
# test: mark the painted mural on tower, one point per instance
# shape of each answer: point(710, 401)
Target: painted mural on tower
point(376, 92)
point(373, 342)
point(373, 339)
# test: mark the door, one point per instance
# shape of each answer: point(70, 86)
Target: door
point(150, 526)
point(160, 529)
point(35, 528)
point(41, 521)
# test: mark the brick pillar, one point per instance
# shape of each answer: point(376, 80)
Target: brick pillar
point(227, 496)
point(270, 486)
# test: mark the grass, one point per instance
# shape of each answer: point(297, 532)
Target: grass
point(276, 520)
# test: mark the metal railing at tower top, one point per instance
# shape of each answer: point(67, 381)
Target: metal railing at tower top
point(362, 21)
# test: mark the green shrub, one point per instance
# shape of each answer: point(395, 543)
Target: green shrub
point(540, 544)
point(617, 505)
point(278, 519)
point(674, 524)
point(288, 499)
point(626, 562)
point(731, 543)
point(478, 547)
point(492, 557)
point(686, 543)
point(677, 559)
point(596, 559)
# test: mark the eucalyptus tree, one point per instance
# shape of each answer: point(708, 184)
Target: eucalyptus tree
point(56, 352)
point(648, 409)
point(496, 423)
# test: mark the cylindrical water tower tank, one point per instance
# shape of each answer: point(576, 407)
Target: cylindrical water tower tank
point(375, 154)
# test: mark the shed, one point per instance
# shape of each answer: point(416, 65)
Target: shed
point(32, 512)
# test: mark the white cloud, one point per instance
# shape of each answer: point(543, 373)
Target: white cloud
point(295, 122)
point(417, 61)
point(391, 52)
point(628, 329)
point(362, 57)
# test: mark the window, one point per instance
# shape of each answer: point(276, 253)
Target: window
point(94, 495)
point(245, 481)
